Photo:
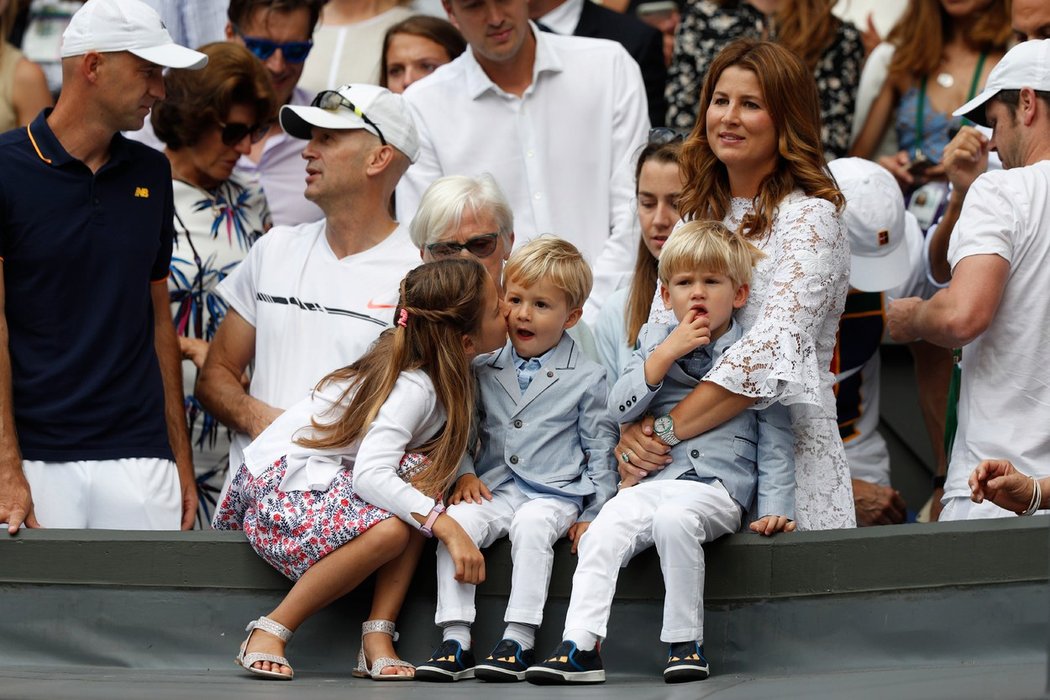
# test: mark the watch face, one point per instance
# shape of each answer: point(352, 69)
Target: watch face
point(663, 424)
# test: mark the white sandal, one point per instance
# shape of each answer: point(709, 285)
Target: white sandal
point(375, 672)
point(245, 661)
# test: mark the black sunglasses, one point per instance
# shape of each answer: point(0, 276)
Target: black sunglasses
point(479, 246)
point(330, 100)
point(293, 51)
point(662, 135)
point(234, 132)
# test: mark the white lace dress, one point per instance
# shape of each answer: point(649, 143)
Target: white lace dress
point(791, 318)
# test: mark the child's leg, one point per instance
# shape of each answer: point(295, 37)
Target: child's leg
point(622, 529)
point(392, 580)
point(485, 523)
point(536, 526)
point(332, 577)
point(689, 514)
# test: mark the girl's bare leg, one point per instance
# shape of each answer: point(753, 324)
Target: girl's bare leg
point(392, 581)
point(331, 578)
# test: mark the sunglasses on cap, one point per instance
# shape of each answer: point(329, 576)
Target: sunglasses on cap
point(479, 246)
point(330, 101)
point(234, 132)
point(662, 135)
point(293, 51)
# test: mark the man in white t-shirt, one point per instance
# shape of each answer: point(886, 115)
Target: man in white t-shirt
point(998, 303)
point(311, 298)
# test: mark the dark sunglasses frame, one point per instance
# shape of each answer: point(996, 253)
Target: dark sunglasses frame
point(331, 100)
point(293, 51)
point(479, 246)
point(234, 132)
point(663, 135)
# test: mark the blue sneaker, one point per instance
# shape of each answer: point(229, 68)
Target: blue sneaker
point(450, 662)
point(568, 664)
point(507, 663)
point(686, 662)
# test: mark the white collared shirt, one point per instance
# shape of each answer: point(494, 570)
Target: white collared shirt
point(564, 18)
point(563, 153)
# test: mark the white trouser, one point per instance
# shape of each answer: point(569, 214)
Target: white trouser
point(534, 525)
point(113, 494)
point(962, 508)
point(677, 516)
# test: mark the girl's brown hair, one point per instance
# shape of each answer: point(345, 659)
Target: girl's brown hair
point(440, 302)
point(924, 28)
point(790, 95)
point(643, 284)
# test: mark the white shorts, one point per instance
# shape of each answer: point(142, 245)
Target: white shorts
point(113, 494)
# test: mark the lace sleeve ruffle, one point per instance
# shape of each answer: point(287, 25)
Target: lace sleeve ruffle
point(800, 287)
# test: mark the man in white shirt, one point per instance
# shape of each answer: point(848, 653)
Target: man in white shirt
point(556, 120)
point(998, 302)
point(311, 298)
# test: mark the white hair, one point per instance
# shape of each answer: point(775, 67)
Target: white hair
point(441, 209)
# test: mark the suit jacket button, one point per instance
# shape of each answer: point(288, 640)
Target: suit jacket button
point(621, 408)
point(694, 454)
point(550, 373)
point(634, 398)
point(517, 423)
point(514, 459)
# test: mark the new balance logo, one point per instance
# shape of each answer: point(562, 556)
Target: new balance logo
point(142, 192)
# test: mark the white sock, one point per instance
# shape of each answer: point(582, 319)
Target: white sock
point(523, 634)
point(459, 631)
point(584, 640)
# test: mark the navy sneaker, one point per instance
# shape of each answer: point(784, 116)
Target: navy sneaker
point(507, 663)
point(686, 662)
point(568, 664)
point(450, 662)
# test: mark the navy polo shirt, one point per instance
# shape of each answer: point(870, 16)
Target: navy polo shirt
point(80, 251)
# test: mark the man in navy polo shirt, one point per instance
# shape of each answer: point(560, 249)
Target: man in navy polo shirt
point(92, 431)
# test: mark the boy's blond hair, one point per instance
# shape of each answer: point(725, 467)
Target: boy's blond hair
point(708, 245)
point(555, 259)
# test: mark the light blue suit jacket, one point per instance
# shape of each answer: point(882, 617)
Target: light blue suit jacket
point(753, 451)
point(558, 437)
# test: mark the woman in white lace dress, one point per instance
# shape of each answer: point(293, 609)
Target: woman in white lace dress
point(756, 163)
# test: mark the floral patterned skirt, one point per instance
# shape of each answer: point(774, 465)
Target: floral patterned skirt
point(293, 530)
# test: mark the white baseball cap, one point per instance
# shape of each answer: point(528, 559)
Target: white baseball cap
point(875, 224)
point(369, 107)
point(126, 25)
point(1025, 65)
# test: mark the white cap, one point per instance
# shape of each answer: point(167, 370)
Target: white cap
point(126, 25)
point(875, 224)
point(387, 112)
point(1025, 65)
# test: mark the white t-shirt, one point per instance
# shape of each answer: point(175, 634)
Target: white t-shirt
point(1004, 401)
point(312, 312)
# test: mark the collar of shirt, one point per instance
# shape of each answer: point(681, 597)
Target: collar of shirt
point(49, 148)
point(564, 18)
point(478, 82)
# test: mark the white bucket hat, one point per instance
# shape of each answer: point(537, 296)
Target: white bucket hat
point(369, 107)
point(874, 217)
point(107, 26)
point(1025, 65)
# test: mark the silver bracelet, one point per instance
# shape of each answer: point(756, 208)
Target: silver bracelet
point(1037, 498)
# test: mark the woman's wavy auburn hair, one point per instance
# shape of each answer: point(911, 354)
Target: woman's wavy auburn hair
point(790, 95)
point(444, 301)
point(923, 30)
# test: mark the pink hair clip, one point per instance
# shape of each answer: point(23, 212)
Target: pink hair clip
point(402, 319)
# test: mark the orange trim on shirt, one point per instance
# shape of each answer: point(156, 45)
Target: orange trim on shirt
point(35, 147)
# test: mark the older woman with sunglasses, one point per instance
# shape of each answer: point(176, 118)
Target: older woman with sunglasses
point(209, 119)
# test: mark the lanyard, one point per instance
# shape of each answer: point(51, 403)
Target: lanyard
point(921, 109)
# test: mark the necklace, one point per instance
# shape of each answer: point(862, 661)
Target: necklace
point(945, 80)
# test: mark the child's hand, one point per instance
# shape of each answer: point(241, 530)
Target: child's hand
point(772, 524)
point(692, 332)
point(576, 532)
point(469, 488)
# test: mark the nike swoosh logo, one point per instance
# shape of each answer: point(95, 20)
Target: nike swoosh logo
point(372, 305)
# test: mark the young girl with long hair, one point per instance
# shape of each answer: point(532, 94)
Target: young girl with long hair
point(333, 489)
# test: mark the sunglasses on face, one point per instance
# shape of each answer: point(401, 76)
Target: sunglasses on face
point(234, 132)
point(662, 135)
point(479, 246)
point(330, 101)
point(293, 51)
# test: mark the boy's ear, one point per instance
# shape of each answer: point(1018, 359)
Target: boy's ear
point(468, 345)
point(573, 319)
point(741, 296)
point(666, 296)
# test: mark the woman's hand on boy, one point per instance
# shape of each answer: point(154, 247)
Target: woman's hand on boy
point(645, 452)
point(471, 489)
point(576, 532)
point(772, 524)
